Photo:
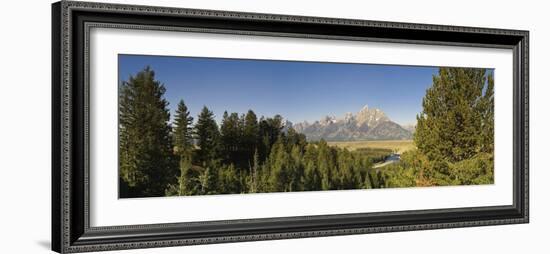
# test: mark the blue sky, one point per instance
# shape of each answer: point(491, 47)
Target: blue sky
point(296, 90)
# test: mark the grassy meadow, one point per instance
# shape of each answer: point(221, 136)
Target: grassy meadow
point(396, 146)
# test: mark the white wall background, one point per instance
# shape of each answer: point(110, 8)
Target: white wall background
point(25, 125)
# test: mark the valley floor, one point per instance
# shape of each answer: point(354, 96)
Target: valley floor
point(398, 146)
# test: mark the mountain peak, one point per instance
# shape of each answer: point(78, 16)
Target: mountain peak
point(368, 123)
point(328, 120)
point(371, 116)
point(349, 117)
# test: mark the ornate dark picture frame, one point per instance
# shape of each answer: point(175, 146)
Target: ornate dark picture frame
point(71, 22)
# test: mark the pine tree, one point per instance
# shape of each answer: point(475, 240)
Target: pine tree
point(231, 138)
point(487, 113)
point(208, 182)
point(325, 166)
point(254, 175)
point(296, 169)
point(455, 113)
point(189, 180)
point(251, 134)
point(183, 147)
point(207, 136)
point(295, 138)
point(228, 180)
point(346, 173)
point(312, 176)
point(455, 128)
point(270, 131)
point(278, 159)
point(183, 132)
point(146, 162)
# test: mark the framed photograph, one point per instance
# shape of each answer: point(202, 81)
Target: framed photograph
point(182, 126)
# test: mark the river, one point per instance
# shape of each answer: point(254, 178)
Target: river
point(393, 158)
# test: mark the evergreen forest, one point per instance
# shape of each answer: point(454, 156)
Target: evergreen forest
point(247, 153)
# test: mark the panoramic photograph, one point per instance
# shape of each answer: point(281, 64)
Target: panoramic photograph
point(211, 126)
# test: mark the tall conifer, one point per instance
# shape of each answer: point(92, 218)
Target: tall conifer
point(183, 146)
point(456, 113)
point(207, 136)
point(146, 162)
point(455, 129)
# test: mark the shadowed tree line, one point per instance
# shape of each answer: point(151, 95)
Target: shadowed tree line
point(251, 154)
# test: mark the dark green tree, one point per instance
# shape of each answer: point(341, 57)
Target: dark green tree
point(183, 131)
point(347, 177)
point(208, 137)
point(251, 135)
point(456, 123)
point(455, 109)
point(325, 165)
point(147, 165)
point(188, 183)
point(270, 131)
point(278, 160)
point(296, 169)
point(231, 138)
point(312, 176)
point(295, 138)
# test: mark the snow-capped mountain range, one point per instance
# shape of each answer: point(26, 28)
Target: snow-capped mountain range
point(367, 124)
